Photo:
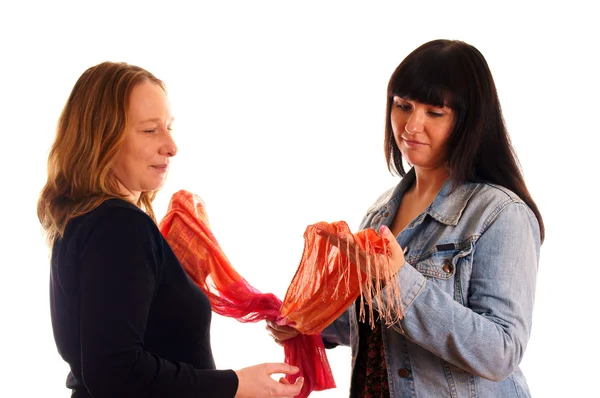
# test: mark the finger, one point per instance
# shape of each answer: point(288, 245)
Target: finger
point(285, 337)
point(282, 329)
point(282, 336)
point(276, 339)
point(289, 390)
point(283, 380)
point(393, 245)
point(271, 324)
point(284, 368)
point(275, 325)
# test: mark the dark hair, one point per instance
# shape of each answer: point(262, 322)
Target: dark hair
point(454, 73)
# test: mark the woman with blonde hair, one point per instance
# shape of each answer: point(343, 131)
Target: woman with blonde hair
point(126, 317)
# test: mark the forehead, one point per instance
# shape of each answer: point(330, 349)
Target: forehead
point(148, 100)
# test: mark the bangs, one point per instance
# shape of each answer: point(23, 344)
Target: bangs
point(427, 79)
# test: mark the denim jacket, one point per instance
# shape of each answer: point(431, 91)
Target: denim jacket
point(467, 290)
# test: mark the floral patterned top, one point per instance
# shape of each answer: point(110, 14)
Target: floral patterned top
point(369, 379)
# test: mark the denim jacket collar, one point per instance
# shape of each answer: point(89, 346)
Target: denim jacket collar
point(449, 203)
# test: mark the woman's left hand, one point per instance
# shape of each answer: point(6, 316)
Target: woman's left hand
point(281, 333)
point(392, 263)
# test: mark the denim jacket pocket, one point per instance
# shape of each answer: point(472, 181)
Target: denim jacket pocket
point(445, 267)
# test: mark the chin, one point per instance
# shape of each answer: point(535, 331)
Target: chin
point(413, 161)
point(153, 187)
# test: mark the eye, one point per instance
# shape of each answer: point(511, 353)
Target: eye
point(149, 131)
point(403, 107)
point(435, 114)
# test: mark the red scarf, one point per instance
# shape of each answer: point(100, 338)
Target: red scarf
point(325, 284)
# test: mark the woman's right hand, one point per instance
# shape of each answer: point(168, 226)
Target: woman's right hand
point(256, 381)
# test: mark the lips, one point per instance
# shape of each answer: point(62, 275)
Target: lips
point(160, 167)
point(412, 142)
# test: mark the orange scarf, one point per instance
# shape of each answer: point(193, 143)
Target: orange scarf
point(325, 285)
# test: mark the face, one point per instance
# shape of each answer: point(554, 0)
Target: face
point(143, 160)
point(421, 132)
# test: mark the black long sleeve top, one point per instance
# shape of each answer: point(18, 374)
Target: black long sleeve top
point(125, 315)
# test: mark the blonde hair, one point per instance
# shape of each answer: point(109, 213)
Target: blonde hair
point(89, 134)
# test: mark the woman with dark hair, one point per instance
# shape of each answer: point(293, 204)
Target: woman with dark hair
point(126, 317)
point(471, 234)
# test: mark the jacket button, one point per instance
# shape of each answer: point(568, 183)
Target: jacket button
point(447, 267)
point(403, 373)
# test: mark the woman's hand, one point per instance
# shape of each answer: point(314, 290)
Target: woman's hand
point(256, 381)
point(346, 244)
point(281, 333)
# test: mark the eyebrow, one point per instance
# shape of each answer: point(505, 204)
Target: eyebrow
point(155, 120)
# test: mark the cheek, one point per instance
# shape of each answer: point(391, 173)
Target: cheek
point(146, 153)
point(121, 163)
point(440, 146)
point(397, 129)
point(440, 136)
point(140, 155)
point(398, 121)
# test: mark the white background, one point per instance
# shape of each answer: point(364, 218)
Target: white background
point(280, 111)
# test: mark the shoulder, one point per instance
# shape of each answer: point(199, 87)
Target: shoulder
point(492, 201)
point(114, 221)
point(119, 213)
point(377, 209)
point(118, 206)
point(116, 214)
point(493, 197)
point(382, 200)
point(495, 193)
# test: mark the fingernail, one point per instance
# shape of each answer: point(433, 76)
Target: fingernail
point(384, 229)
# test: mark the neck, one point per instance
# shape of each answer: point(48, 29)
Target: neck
point(429, 181)
point(130, 196)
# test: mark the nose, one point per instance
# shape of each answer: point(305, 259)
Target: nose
point(415, 122)
point(168, 147)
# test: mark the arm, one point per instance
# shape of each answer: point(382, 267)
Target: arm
point(487, 338)
point(120, 268)
point(338, 332)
